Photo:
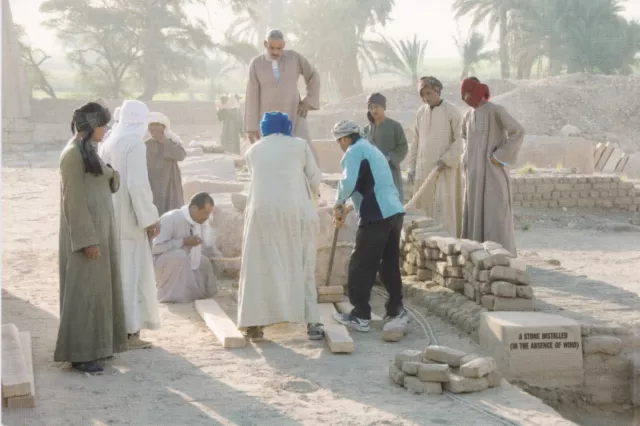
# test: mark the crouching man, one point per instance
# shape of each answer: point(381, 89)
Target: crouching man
point(368, 182)
point(183, 272)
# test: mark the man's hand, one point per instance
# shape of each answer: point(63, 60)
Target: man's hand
point(153, 230)
point(191, 241)
point(441, 165)
point(340, 214)
point(92, 252)
point(303, 109)
point(253, 136)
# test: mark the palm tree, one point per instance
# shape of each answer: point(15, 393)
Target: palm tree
point(497, 14)
point(257, 18)
point(472, 52)
point(241, 51)
point(219, 69)
point(401, 57)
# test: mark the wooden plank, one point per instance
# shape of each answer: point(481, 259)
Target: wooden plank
point(220, 324)
point(15, 376)
point(336, 335)
point(608, 150)
point(332, 289)
point(611, 164)
point(345, 307)
point(330, 298)
point(25, 401)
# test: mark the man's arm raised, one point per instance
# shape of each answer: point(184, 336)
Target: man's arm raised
point(311, 101)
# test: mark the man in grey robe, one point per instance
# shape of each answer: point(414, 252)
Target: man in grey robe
point(273, 86)
point(183, 270)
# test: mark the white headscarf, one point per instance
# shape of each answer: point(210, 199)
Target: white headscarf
point(133, 122)
point(116, 114)
point(158, 117)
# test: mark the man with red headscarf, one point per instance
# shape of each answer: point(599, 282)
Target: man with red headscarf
point(492, 139)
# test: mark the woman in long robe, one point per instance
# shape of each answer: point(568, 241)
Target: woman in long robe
point(277, 275)
point(492, 141)
point(231, 121)
point(92, 319)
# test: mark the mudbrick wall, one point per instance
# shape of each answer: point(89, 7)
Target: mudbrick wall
point(458, 280)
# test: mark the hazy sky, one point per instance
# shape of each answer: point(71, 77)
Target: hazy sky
point(434, 23)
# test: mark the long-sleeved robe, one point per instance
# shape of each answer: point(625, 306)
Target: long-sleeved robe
point(437, 136)
point(389, 137)
point(175, 278)
point(231, 129)
point(277, 274)
point(266, 94)
point(92, 318)
point(489, 131)
point(135, 211)
point(164, 173)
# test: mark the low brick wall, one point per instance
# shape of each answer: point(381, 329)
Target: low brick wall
point(609, 192)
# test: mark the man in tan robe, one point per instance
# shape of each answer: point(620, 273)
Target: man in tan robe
point(492, 141)
point(184, 272)
point(164, 151)
point(273, 86)
point(438, 143)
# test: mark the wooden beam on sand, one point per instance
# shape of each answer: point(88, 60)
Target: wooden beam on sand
point(336, 334)
point(25, 401)
point(220, 324)
point(15, 376)
point(345, 307)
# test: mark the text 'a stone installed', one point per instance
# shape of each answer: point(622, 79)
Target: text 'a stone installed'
point(534, 347)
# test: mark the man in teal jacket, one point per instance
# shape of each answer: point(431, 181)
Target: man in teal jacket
point(368, 182)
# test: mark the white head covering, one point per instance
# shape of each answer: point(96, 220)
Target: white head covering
point(158, 117)
point(133, 121)
point(345, 128)
point(232, 103)
point(116, 114)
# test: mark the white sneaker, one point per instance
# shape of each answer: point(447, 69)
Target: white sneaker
point(396, 327)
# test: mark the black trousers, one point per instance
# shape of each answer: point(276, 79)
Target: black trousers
point(377, 249)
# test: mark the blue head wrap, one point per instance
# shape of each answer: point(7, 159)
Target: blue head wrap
point(275, 122)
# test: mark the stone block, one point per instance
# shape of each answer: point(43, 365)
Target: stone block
point(411, 367)
point(500, 257)
point(458, 384)
point(503, 273)
point(448, 271)
point(414, 385)
point(445, 355)
point(424, 274)
point(488, 302)
point(510, 304)
point(482, 259)
point(541, 349)
point(407, 355)
point(239, 200)
point(608, 345)
point(434, 373)
point(524, 292)
point(397, 375)
point(466, 247)
point(478, 367)
point(601, 364)
point(494, 378)
point(469, 291)
point(503, 289)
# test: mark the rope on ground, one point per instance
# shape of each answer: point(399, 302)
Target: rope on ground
point(431, 337)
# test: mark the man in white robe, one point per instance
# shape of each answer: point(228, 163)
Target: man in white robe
point(136, 219)
point(437, 144)
point(277, 274)
point(183, 271)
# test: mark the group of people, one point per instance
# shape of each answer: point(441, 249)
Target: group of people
point(127, 241)
point(470, 195)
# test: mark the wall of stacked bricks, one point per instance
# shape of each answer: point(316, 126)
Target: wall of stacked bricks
point(458, 280)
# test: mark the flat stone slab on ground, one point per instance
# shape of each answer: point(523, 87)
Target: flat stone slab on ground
point(450, 356)
point(221, 166)
point(540, 349)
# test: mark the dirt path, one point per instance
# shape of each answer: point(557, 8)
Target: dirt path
point(188, 379)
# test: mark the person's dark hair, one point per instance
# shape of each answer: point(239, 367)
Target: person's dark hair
point(474, 78)
point(355, 137)
point(86, 119)
point(200, 200)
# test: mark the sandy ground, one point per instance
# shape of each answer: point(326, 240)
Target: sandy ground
point(188, 379)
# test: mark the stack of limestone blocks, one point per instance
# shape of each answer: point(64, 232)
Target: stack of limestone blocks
point(18, 387)
point(610, 192)
point(439, 368)
point(485, 273)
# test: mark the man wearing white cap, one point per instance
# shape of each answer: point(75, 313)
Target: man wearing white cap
point(136, 220)
point(164, 151)
point(367, 180)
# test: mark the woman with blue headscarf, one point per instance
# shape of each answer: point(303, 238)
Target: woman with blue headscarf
point(277, 276)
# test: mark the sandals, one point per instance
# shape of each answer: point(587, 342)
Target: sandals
point(254, 334)
point(315, 331)
point(90, 367)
